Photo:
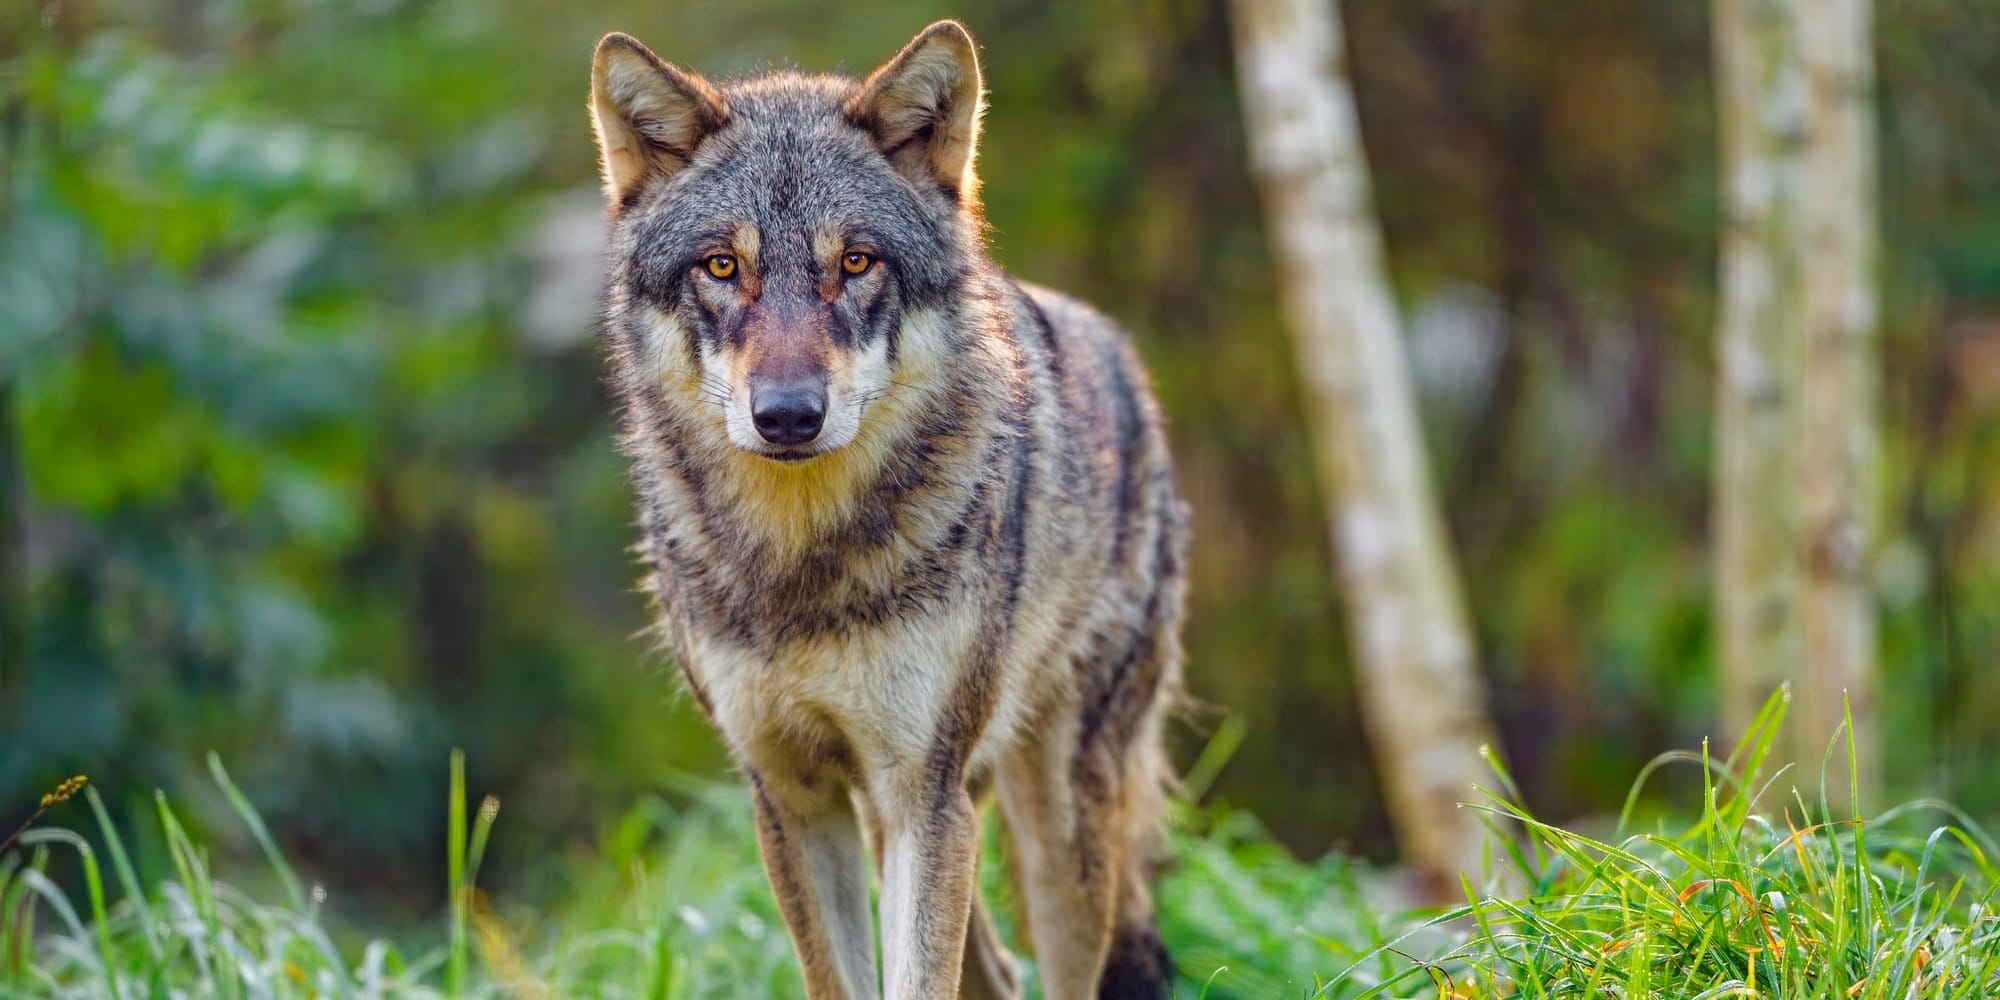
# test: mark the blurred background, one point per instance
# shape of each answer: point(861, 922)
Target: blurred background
point(305, 455)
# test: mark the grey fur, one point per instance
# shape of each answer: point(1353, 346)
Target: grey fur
point(983, 589)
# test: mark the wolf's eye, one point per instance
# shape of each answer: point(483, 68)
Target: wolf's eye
point(856, 263)
point(721, 267)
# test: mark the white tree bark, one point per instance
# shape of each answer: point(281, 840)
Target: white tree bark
point(1796, 485)
point(1840, 490)
point(1761, 102)
point(1420, 683)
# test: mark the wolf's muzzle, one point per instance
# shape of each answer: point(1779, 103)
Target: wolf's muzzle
point(789, 413)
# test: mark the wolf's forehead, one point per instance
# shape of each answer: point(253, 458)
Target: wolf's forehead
point(794, 173)
point(782, 180)
point(801, 152)
point(788, 94)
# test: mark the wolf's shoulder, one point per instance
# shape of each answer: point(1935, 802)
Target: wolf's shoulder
point(1079, 335)
point(1071, 317)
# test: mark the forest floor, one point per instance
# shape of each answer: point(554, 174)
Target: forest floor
point(1744, 896)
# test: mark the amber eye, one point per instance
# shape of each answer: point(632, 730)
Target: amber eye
point(856, 262)
point(722, 267)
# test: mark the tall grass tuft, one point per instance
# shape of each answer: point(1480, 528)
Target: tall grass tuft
point(181, 935)
point(1757, 892)
point(1763, 893)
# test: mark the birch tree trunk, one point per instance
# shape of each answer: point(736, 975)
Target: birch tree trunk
point(1761, 104)
point(1421, 690)
point(1796, 486)
point(1840, 489)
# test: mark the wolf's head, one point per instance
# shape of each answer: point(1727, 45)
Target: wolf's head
point(785, 246)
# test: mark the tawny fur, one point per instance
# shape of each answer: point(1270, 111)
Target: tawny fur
point(971, 580)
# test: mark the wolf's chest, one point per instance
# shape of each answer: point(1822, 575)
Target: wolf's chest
point(880, 687)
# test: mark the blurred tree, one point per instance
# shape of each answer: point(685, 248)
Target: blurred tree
point(1425, 701)
point(1841, 490)
point(1796, 480)
point(1760, 106)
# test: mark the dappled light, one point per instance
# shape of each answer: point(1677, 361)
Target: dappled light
point(1588, 417)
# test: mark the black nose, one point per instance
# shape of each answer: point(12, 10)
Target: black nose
point(788, 414)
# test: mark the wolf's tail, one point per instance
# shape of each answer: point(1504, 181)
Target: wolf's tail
point(1138, 966)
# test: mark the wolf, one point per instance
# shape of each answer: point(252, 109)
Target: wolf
point(910, 526)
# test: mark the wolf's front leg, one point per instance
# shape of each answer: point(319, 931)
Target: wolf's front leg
point(930, 853)
point(818, 865)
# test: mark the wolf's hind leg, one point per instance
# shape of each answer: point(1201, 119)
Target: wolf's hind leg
point(989, 970)
point(818, 865)
point(1061, 814)
point(1084, 820)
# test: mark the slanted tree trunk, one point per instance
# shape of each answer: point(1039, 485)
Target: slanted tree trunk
point(1421, 688)
point(1760, 98)
point(1840, 488)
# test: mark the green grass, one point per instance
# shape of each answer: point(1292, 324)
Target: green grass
point(1760, 895)
point(1755, 896)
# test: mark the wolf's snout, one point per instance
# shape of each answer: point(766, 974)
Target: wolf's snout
point(788, 414)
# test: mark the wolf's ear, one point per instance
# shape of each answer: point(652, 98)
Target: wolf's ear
point(649, 114)
point(923, 108)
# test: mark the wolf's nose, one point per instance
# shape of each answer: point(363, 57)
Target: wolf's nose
point(788, 414)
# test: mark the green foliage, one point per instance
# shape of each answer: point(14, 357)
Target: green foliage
point(1754, 898)
point(287, 477)
point(303, 456)
point(672, 903)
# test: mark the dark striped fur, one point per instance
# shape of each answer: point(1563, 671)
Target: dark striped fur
point(973, 581)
